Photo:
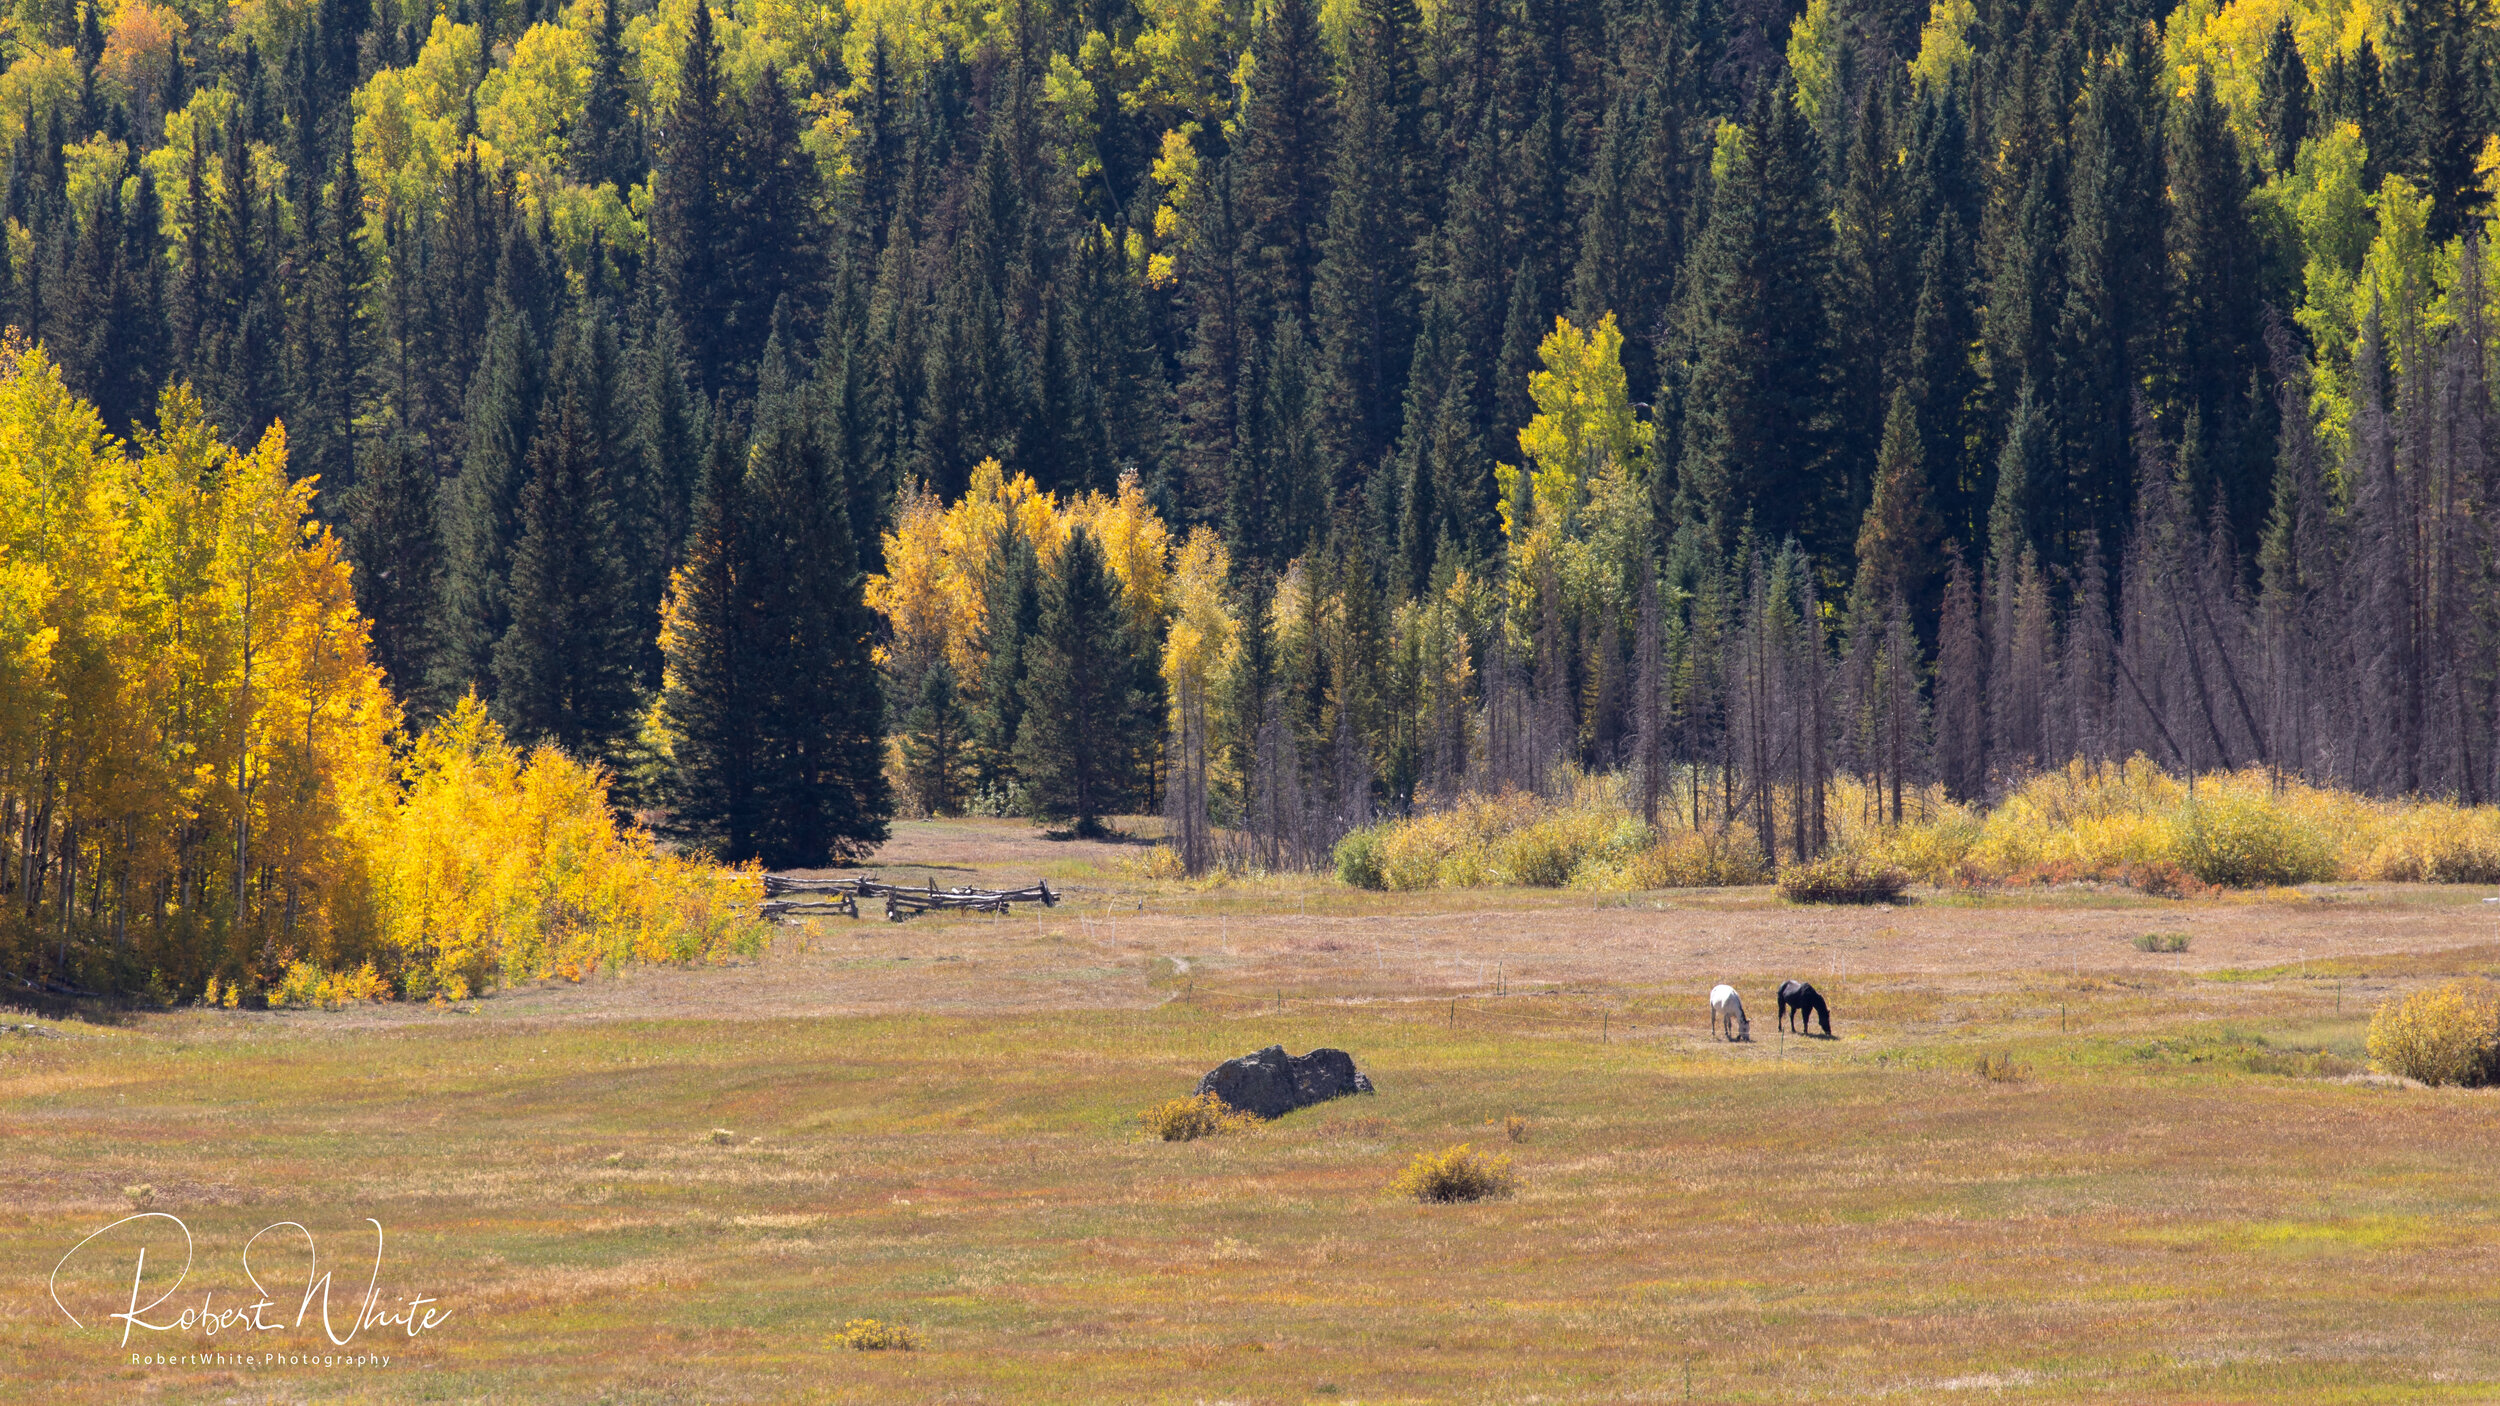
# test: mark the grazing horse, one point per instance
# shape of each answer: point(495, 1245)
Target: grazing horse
point(1807, 1003)
point(1727, 1013)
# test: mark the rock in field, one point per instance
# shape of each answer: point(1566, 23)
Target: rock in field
point(1273, 1083)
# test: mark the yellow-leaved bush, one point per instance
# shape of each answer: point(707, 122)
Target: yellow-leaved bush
point(499, 865)
point(208, 782)
point(2125, 822)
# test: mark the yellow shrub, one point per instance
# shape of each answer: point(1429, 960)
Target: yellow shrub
point(2437, 844)
point(2244, 841)
point(1842, 878)
point(308, 986)
point(1698, 859)
point(1544, 853)
point(876, 1335)
point(500, 866)
point(1455, 1174)
point(2446, 1035)
point(1189, 1119)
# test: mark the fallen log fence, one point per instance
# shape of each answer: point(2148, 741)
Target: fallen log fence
point(843, 896)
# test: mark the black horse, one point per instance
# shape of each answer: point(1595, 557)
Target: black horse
point(1807, 1003)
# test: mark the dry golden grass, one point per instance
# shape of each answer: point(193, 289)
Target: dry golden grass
point(2181, 1202)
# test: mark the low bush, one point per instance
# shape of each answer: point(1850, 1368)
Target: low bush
point(2241, 841)
point(1697, 859)
point(1189, 1119)
point(2444, 1035)
point(876, 1335)
point(2161, 942)
point(308, 986)
point(1842, 878)
point(1455, 1174)
point(1358, 858)
point(2438, 844)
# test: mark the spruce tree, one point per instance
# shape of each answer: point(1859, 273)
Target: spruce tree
point(2283, 98)
point(565, 666)
point(1284, 156)
point(394, 537)
point(820, 717)
point(936, 734)
point(481, 513)
point(694, 187)
point(1011, 612)
point(713, 639)
point(1083, 722)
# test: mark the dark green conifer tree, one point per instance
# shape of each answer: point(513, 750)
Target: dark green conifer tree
point(1083, 716)
point(394, 536)
point(1756, 427)
point(2283, 98)
point(565, 666)
point(820, 716)
point(936, 734)
point(481, 512)
point(714, 641)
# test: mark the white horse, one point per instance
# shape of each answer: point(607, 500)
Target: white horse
point(1727, 1013)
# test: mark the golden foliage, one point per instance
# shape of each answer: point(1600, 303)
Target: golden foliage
point(940, 561)
point(187, 701)
point(2443, 1035)
point(1841, 878)
point(877, 1335)
point(1189, 1119)
point(1455, 1174)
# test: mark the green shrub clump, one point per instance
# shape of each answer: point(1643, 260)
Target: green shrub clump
point(2446, 1035)
point(1358, 858)
point(1842, 878)
point(1455, 1174)
point(2162, 942)
point(1189, 1119)
point(2245, 842)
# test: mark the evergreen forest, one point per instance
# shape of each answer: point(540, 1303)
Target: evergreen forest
point(1281, 413)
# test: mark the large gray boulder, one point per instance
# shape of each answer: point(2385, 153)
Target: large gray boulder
point(1273, 1083)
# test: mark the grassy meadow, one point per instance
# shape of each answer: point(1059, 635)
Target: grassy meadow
point(681, 1185)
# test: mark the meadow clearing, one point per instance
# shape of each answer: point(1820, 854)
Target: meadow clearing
point(679, 1184)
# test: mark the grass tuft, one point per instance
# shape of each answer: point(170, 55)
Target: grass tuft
point(1189, 1119)
point(2001, 1069)
point(2161, 942)
point(1455, 1174)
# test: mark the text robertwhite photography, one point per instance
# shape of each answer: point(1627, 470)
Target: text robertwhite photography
point(254, 1329)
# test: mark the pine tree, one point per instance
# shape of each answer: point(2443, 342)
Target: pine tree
point(1082, 721)
point(1283, 158)
point(936, 734)
point(1961, 726)
point(607, 144)
point(713, 638)
point(481, 513)
point(1011, 612)
point(820, 720)
point(1754, 437)
point(2215, 331)
point(564, 669)
point(1364, 302)
point(1896, 547)
point(694, 186)
point(394, 536)
point(2283, 98)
